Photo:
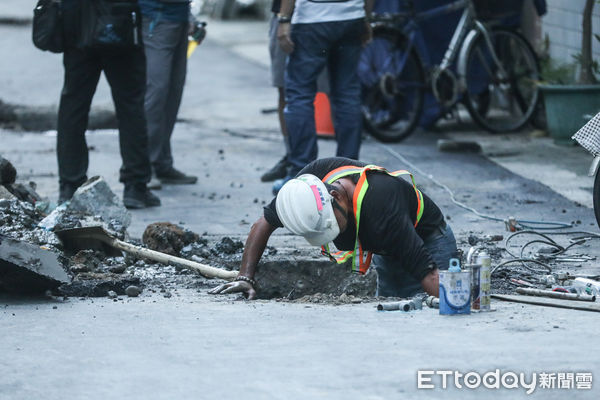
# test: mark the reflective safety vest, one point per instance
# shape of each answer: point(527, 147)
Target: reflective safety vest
point(361, 264)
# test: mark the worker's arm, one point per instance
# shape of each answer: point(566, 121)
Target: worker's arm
point(255, 246)
point(284, 29)
point(431, 283)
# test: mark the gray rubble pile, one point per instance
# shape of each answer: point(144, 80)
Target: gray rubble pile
point(32, 257)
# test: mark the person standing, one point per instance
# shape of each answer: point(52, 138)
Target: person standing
point(125, 71)
point(322, 34)
point(165, 28)
point(278, 60)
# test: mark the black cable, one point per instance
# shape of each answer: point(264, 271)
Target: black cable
point(521, 260)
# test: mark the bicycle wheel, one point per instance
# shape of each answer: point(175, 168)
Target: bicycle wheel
point(597, 197)
point(501, 98)
point(392, 83)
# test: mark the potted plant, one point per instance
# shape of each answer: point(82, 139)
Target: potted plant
point(569, 106)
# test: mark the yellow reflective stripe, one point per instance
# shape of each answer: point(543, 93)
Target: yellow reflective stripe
point(330, 178)
point(420, 207)
point(362, 186)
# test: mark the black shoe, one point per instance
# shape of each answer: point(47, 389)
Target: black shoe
point(137, 196)
point(278, 171)
point(175, 177)
point(65, 192)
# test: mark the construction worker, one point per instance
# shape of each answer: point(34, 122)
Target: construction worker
point(364, 210)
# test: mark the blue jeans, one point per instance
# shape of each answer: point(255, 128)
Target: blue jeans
point(337, 46)
point(393, 280)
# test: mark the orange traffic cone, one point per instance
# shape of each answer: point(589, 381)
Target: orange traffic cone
point(323, 121)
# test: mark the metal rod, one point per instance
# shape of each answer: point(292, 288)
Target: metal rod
point(556, 295)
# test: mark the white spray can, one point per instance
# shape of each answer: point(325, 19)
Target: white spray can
point(485, 281)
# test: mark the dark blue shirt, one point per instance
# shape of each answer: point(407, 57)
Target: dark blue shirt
point(175, 11)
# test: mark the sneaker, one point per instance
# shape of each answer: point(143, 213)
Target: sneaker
point(278, 171)
point(175, 177)
point(154, 184)
point(137, 196)
point(278, 184)
point(65, 192)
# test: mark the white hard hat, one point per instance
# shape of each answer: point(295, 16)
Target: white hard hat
point(304, 207)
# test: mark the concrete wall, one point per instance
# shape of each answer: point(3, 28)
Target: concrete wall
point(562, 24)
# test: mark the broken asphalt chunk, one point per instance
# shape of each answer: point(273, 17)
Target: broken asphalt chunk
point(26, 268)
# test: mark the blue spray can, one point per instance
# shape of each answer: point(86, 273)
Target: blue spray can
point(455, 290)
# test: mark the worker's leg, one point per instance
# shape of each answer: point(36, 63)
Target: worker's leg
point(345, 88)
point(393, 280)
point(303, 67)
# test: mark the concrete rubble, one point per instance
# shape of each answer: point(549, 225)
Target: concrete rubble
point(93, 203)
point(26, 268)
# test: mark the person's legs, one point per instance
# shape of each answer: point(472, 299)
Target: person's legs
point(392, 279)
point(126, 74)
point(278, 61)
point(82, 71)
point(160, 41)
point(178, 73)
point(345, 88)
point(304, 65)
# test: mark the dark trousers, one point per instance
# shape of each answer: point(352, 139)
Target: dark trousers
point(337, 46)
point(165, 45)
point(126, 74)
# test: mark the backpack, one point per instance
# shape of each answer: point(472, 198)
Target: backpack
point(47, 27)
point(114, 24)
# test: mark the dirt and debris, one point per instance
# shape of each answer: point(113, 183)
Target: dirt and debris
point(287, 273)
point(168, 238)
point(229, 246)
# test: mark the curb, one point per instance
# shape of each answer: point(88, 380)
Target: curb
point(44, 118)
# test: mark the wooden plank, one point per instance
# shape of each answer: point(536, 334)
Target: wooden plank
point(549, 302)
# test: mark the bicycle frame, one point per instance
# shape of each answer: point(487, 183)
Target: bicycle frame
point(412, 28)
point(466, 30)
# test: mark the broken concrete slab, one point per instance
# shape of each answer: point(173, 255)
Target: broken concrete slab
point(26, 268)
point(92, 204)
point(6, 194)
point(8, 173)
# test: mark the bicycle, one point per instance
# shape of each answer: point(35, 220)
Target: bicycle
point(496, 76)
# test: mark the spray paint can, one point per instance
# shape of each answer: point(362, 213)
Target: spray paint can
point(484, 259)
point(455, 290)
point(475, 286)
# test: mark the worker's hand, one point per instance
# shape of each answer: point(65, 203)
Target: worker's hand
point(243, 287)
point(367, 34)
point(284, 37)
